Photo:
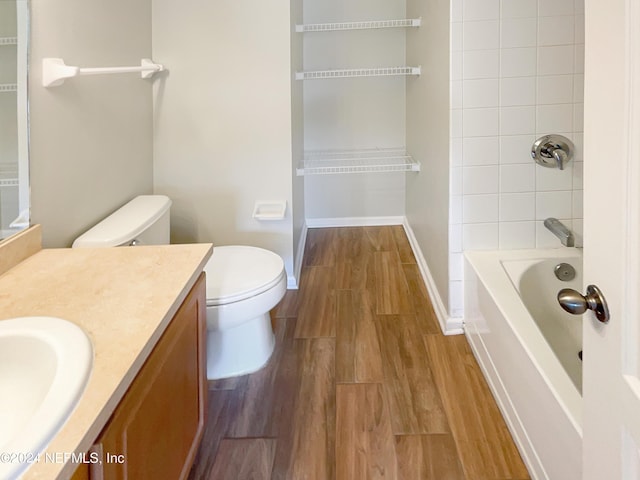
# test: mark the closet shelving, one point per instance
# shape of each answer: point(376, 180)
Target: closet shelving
point(324, 162)
point(357, 72)
point(8, 41)
point(329, 27)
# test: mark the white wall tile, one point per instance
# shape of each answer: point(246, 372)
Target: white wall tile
point(548, 8)
point(514, 235)
point(456, 37)
point(456, 266)
point(517, 207)
point(455, 123)
point(578, 232)
point(578, 117)
point(481, 151)
point(578, 142)
point(478, 180)
point(456, 94)
point(516, 148)
point(578, 199)
point(577, 175)
point(557, 60)
point(519, 8)
point(481, 64)
point(517, 120)
point(479, 208)
point(518, 62)
point(517, 91)
point(456, 298)
point(483, 35)
point(552, 179)
point(480, 122)
point(456, 10)
point(455, 147)
point(518, 32)
point(455, 238)
point(546, 239)
point(579, 59)
point(455, 209)
point(480, 236)
point(480, 93)
point(579, 7)
point(519, 178)
point(456, 181)
point(554, 118)
point(579, 29)
point(481, 10)
point(553, 204)
point(578, 88)
point(555, 89)
point(456, 65)
point(556, 30)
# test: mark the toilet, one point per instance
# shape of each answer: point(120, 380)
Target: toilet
point(243, 284)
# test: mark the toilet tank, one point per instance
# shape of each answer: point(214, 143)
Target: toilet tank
point(142, 221)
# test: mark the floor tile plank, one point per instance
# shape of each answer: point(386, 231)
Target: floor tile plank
point(425, 314)
point(266, 399)
point(485, 446)
point(402, 244)
point(246, 458)
point(358, 357)
point(392, 291)
point(319, 247)
point(363, 434)
point(428, 457)
point(316, 303)
point(414, 402)
point(307, 450)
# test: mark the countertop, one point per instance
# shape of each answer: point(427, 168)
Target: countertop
point(123, 298)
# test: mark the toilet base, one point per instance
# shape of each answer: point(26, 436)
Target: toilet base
point(240, 350)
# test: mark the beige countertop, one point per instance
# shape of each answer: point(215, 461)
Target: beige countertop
point(123, 298)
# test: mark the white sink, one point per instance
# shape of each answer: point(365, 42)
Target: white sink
point(45, 363)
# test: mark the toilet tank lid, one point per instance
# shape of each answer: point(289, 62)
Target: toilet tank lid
point(123, 225)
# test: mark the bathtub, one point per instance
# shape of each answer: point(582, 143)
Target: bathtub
point(527, 347)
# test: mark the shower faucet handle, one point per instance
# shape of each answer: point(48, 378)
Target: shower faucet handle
point(552, 151)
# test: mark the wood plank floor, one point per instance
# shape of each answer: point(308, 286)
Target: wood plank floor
point(361, 385)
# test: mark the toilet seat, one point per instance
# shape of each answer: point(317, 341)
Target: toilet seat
point(238, 272)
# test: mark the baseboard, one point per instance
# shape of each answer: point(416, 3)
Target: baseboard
point(353, 221)
point(448, 325)
point(293, 281)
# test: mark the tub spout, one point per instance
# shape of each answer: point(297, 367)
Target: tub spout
point(556, 227)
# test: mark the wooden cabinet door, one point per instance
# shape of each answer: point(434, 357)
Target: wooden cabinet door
point(155, 431)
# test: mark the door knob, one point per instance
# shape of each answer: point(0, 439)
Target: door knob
point(576, 303)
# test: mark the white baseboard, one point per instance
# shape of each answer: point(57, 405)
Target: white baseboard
point(353, 221)
point(448, 325)
point(293, 281)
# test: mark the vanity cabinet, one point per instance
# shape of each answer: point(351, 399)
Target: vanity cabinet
point(157, 427)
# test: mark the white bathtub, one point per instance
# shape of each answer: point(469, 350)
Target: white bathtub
point(527, 347)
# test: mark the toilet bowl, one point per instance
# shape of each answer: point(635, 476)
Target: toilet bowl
point(243, 284)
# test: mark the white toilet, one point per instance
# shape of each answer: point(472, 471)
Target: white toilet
point(243, 284)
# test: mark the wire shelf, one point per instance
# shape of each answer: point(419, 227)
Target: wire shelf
point(358, 72)
point(328, 27)
point(8, 87)
point(325, 162)
point(8, 41)
point(8, 182)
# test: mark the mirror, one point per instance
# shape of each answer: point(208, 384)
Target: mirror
point(14, 132)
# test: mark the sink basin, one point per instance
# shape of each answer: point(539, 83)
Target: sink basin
point(45, 363)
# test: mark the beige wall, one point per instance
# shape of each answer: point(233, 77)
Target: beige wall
point(427, 197)
point(222, 121)
point(91, 138)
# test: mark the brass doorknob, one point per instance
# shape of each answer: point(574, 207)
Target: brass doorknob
point(576, 303)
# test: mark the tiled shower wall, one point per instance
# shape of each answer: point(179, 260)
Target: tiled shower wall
point(516, 74)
